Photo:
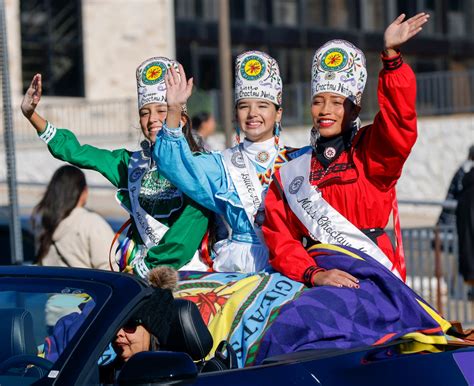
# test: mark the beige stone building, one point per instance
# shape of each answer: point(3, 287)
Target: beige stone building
point(95, 44)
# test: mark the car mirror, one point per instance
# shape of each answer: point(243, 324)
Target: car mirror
point(158, 367)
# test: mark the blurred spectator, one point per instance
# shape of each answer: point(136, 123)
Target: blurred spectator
point(465, 226)
point(68, 234)
point(204, 125)
point(448, 215)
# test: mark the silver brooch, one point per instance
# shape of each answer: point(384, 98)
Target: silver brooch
point(329, 152)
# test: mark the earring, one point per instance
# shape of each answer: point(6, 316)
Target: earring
point(276, 133)
point(355, 127)
point(237, 134)
point(314, 137)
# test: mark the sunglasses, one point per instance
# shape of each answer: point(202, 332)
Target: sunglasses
point(131, 326)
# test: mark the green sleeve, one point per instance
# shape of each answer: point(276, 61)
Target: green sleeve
point(112, 164)
point(178, 245)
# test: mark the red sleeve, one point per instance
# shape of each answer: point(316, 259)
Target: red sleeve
point(388, 142)
point(283, 234)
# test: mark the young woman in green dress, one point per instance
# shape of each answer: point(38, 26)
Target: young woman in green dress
point(167, 227)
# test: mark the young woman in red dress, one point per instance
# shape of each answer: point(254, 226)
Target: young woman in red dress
point(342, 190)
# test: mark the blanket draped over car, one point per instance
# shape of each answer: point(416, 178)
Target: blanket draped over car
point(238, 307)
point(267, 314)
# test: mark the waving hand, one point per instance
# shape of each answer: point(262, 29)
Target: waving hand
point(401, 31)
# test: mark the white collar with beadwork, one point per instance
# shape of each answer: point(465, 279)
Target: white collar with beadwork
point(261, 152)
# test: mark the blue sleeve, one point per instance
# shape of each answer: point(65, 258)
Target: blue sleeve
point(198, 176)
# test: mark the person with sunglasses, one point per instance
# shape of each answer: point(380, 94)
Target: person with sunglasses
point(132, 338)
point(144, 331)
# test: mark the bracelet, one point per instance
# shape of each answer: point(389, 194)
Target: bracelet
point(309, 274)
point(391, 63)
point(48, 133)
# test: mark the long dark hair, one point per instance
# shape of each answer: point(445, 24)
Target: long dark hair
point(60, 198)
point(196, 147)
point(188, 134)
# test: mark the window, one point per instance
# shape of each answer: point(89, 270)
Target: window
point(285, 12)
point(237, 9)
point(339, 14)
point(257, 11)
point(51, 44)
point(197, 10)
point(314, 14)
point(210, 10)
point(456, 18)
point(373, 15)
point(185, 9)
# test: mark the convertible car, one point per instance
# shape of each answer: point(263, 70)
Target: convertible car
point(35, 300)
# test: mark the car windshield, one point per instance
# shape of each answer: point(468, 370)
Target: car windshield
point(39, 318)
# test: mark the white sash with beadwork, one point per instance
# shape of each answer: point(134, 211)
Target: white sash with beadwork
point(324, 223)
point(248, 186)
point(150, 229)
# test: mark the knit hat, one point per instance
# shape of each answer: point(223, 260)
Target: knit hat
point(339, 67)
point(157, 312)
point(257, 76)
point(151, 80)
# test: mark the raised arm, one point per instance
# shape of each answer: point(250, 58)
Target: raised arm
point(30, 101)
point(200, 177)
point(390, 139)
point(178, 91)
point(64, 145)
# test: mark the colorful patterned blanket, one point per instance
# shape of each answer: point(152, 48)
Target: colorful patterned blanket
point(264, 314)
point(238, 307)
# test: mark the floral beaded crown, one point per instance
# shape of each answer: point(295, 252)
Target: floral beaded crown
point(151, 85)
point(339, 67)
point(257, 76)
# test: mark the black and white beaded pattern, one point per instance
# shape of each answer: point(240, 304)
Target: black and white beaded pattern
point(49, 133)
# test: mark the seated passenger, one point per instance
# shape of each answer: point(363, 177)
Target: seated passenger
point(231, 183)
point(326, 210)
point(148, 327)
point(143, 332)
point(342, 190)
point(165, 227)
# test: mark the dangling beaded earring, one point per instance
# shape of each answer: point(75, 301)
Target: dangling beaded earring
point(314, 137)
point(355, 127)
point(276, 133)
point(237, 134)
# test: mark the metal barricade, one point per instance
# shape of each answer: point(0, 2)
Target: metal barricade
point(431, 256)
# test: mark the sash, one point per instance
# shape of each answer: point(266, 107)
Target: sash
point(248, 186)
point(324, 223)
point(151, 230)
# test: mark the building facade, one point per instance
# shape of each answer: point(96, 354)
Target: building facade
point(86, 48)
point(291, 30)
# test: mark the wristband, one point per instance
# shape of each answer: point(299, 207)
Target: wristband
point(309, 274)
point(391, 63)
